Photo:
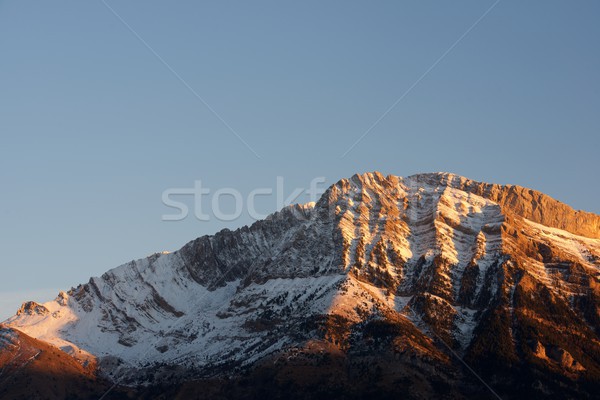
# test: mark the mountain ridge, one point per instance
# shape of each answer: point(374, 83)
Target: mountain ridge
point(414, 269)
point(509, 196)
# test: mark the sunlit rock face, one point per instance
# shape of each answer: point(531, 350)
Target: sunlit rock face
point(386, 283)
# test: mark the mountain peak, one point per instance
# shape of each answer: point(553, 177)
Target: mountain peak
point(513, 199)
point(32, 308)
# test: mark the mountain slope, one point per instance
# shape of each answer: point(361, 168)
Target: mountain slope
point(385, 280)
point(32, 369)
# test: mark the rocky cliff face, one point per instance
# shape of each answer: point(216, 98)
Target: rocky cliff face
point(385, 283)
point(528, 203)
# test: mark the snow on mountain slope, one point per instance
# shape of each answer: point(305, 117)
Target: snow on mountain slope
point(444, 254)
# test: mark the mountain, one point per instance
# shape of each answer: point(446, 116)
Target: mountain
point(430, 286)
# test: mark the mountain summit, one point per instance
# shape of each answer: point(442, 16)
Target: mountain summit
point(428, 286)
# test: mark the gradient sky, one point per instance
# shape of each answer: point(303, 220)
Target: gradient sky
point(94, 126)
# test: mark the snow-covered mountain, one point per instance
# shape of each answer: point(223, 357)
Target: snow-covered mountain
point(390, 282)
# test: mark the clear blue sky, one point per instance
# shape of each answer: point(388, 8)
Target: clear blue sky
point(94, 127)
